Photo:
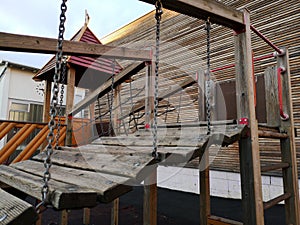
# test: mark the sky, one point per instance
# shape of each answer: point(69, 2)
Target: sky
point(41, 18)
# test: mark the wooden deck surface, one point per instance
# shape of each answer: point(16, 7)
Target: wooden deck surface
point(107, 168)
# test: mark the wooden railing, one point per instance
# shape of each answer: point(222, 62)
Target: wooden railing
point(24, 130)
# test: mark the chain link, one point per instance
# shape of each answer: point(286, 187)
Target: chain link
point(158, 14)
point(53, 110)
point(208, 78)
point(110, 127)
point(62, 91)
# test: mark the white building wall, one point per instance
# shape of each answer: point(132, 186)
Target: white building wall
point(4, 90)
point(23, 87)
point(222, 184)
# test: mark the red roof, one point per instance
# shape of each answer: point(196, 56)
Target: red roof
point(87, 68)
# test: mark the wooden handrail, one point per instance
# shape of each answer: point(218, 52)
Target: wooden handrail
point(6, 130)
point(32, 146)
point(16, 140)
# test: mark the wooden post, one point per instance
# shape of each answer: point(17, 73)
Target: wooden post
point(204, 158)
point(252, 202)
point(47, 101)
point(288, 148)
point(116, 113)
point(69, 104)
point(115, 212)
point(272, 102)
point(150, 199)
point(150, 183)
point(64, 217)
point(86, 216)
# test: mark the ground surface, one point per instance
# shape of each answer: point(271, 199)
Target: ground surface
point(174, 208)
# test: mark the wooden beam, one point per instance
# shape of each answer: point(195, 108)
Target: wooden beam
point(288, 146)
point(69, 103)
point(202, 9)
point(32, 44)
point(106, 87)
point(252, 202)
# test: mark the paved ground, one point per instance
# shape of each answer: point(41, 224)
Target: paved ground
point(174, 208)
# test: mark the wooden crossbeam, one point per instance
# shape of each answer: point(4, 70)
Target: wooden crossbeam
point(106, 87)
point(202, 9)
point(32, 44)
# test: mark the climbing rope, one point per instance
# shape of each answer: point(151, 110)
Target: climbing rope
point(208, 78)
point(53, 110)
point(158, 14)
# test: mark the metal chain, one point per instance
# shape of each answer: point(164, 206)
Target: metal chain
point(110, 127)
point(208, 80)
point(62, 91)
point(158, 14)
point(53, 110)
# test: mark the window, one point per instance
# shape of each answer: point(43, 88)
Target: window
point(26, 112)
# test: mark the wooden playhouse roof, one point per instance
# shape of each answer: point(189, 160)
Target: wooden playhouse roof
point(95, 70)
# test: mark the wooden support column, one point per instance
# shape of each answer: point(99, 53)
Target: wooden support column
point(204, 158)
point(252, 202)
point(47, 101)
point(288, 148)
point(150, 199)
point(64, 217)
point(150, 183)
point(69, 104)
point(115, 212)
point(117, 111)
point(86, 216)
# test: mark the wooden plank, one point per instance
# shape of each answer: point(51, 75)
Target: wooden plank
point(203, 9)
point(106, 87)
point(272, 102)
point(130, 166)
point(61, 195)
point(108, 187)
point(14, 211)
point(288, 146)
point(215, 220)
point(253, 213)
point(32, 44)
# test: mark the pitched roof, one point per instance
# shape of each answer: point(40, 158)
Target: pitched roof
point(97, 66)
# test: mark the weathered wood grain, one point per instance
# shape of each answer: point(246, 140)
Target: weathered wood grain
point(61, 195)
point(14, 211)
point(25, 43)
point(108, 187)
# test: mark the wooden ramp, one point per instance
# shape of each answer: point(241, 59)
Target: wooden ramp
point(107, 168)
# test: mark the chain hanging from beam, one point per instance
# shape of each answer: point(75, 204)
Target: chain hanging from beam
point(53, 110)
point(158, 14)
point(208, 78)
